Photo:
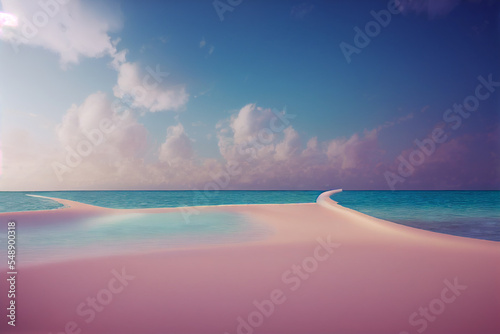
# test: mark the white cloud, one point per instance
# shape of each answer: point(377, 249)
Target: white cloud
point(126, 138)
point(257, 136)
point(119, 58)
point(262, 144)
point(287, 149)
point(249, 121)
point(177, 146)
point(72, 29)
point(148, 90)
point(268, 149)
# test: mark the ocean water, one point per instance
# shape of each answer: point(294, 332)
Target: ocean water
point(474, 214)
point(18, 201)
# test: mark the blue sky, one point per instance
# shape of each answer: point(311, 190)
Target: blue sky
point(265, 55)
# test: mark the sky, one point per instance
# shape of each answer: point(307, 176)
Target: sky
point(239, 94)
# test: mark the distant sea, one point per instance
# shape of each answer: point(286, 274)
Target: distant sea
point(474, 214)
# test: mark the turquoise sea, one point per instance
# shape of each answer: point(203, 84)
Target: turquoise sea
point(474, 214)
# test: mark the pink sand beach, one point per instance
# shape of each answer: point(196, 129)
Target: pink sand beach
point(323, 268)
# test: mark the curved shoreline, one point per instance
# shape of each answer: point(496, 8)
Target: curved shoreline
point(324, 200)
point(377, 276)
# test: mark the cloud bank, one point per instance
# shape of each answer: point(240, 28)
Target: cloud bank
point(70, 28)
point(259, 149)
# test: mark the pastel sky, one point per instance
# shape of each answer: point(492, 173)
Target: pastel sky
point(240, 94)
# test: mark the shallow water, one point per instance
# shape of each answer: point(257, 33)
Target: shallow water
point(473, 214)
point(134, 232)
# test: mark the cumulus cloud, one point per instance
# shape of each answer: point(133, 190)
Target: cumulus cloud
point(102, 146)
point(119, 58)
point(287, 148)
point(97, 142)
point(76, 29)
point(125, 134)
point(261, 144)
point(251, 134)
point(177, 146)
point(269, 150)
point(94, 146)
point(72, 29)
point(267, 137)
point(147, 89)
point(249, 121)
